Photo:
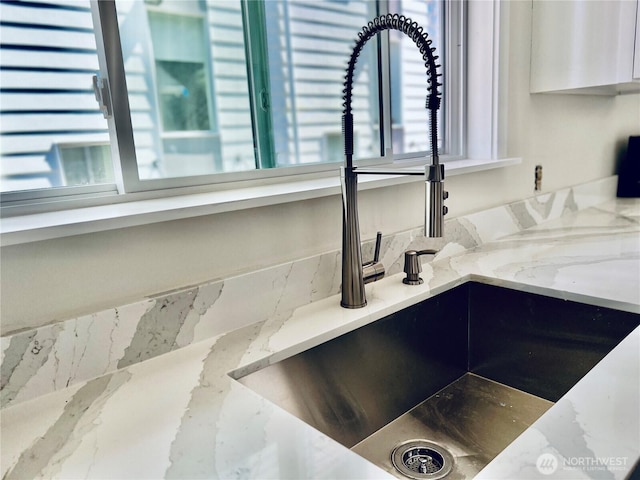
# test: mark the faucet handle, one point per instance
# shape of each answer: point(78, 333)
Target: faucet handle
point(374, 270)
point(376, 252)
point(413, 267)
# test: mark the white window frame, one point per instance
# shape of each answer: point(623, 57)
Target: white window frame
point(103, 207)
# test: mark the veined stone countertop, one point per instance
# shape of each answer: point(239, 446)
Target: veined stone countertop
point(180, 414)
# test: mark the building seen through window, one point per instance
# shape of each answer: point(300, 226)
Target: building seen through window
point(213, 87)
point(52, 131)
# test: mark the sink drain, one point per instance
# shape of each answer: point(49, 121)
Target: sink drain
point(420, 459)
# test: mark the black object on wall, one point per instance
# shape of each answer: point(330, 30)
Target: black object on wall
point(629, 172)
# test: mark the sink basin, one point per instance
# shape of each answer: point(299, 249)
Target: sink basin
point(446, 384)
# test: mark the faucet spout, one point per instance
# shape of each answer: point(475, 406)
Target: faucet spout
point(353, 292)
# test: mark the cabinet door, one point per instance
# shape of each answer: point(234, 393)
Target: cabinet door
point(578, 44)
point(636, 57)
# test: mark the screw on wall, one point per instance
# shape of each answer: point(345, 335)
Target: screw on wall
point(538, 178)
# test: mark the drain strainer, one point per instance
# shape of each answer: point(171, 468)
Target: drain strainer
point(420, 459)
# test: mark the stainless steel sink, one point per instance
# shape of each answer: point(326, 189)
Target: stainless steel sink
point(465, 372)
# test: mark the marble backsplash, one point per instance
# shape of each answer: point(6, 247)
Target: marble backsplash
point(52, 357)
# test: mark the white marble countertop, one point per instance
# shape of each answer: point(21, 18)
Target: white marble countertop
point(180, 415)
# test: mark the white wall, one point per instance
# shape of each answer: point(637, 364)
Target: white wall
point(575, 138)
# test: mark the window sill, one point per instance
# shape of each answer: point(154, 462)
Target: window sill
point(130, 211)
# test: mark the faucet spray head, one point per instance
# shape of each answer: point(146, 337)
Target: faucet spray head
point(434, 195)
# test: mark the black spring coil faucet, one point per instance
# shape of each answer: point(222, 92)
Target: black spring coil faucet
point(354, 276)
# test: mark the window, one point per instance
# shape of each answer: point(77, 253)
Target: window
point(85, 163)
point(204, 91)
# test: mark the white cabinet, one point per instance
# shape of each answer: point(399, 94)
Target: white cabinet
point(585, 46)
